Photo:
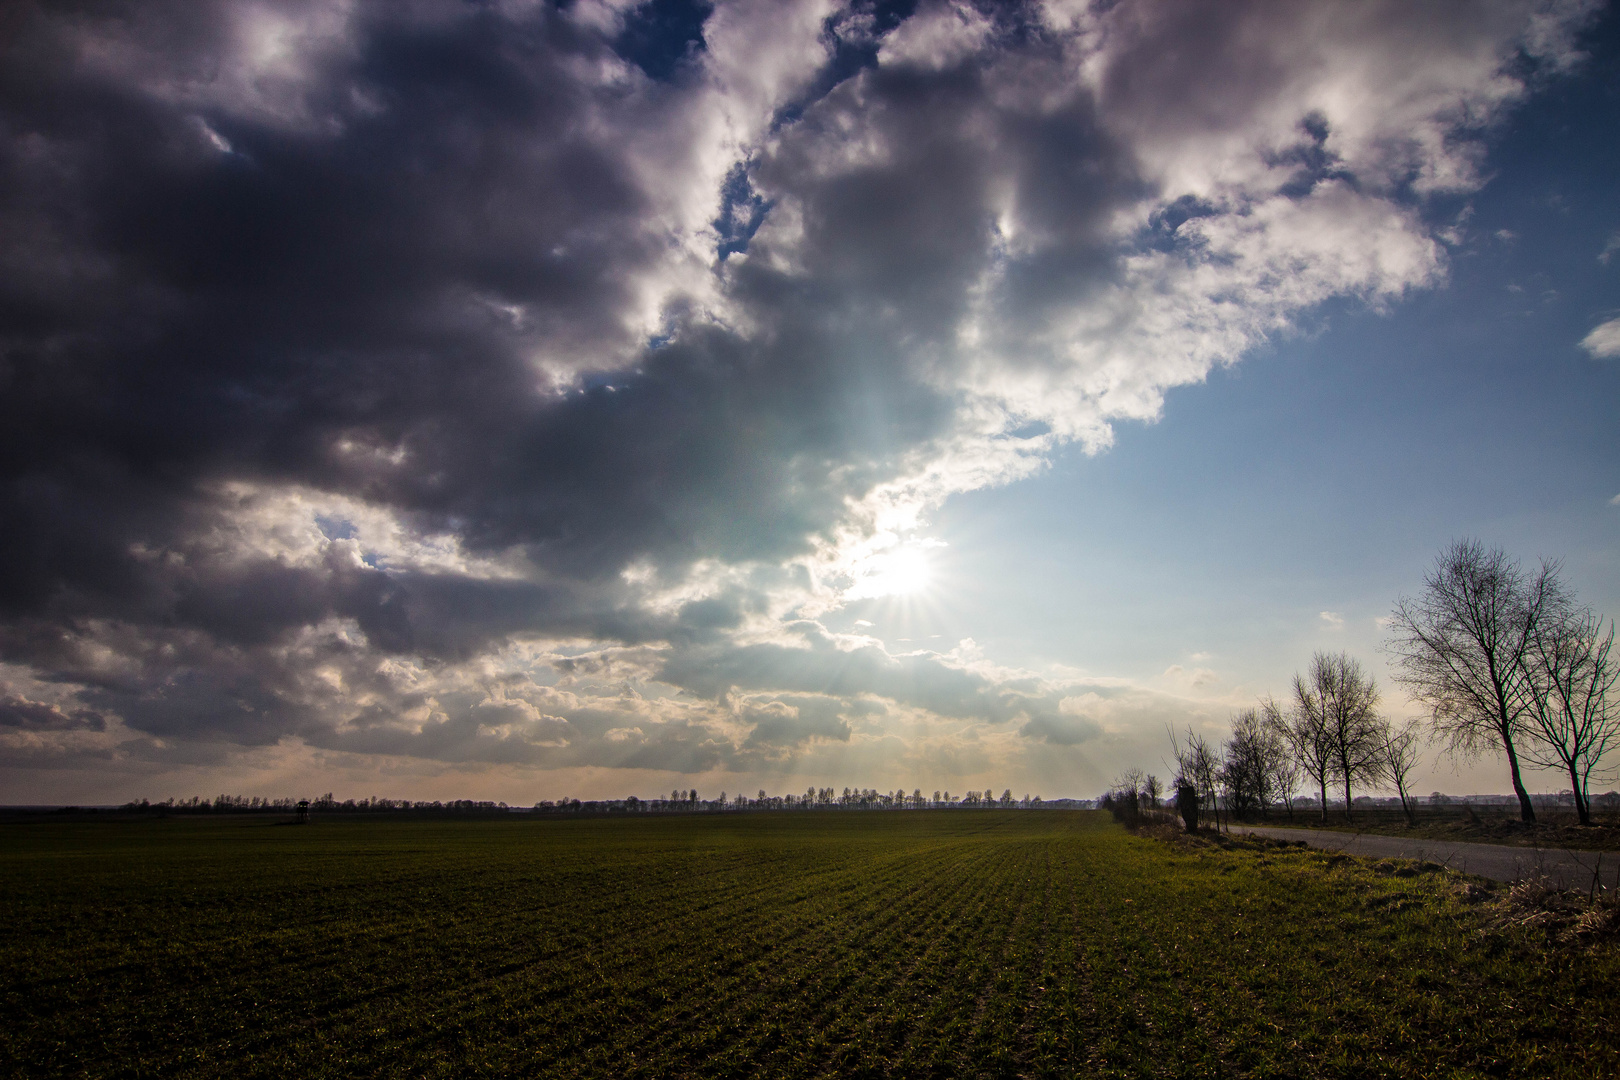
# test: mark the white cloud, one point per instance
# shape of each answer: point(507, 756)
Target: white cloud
point(1604, 340)
point(1333, 619)
point(1609, 249)
point(1387, 92)
point(296, 526)
point(937, 35)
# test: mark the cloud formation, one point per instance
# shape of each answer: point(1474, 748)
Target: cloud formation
point(510, 384)
point(1604, 340)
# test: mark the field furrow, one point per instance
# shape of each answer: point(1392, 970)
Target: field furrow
point(933, 944)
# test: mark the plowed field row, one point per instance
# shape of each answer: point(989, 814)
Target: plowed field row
point(946, 944)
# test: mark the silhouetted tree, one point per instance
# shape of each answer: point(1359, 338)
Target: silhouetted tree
point(1198, 763)
point(1123, 799)
point(1304, 726)
point(1461, 648)
point(1348, 698)
point(1131, 780)
point(1250, 766)
point(1399, 753)
point(1571, 681)
point(1285, 767)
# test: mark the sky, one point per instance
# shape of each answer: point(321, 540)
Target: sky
point(515, 400)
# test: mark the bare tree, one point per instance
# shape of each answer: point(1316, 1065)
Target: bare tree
point(1131, 780)
point(1127, 789)
point(1400, 750)
point(1574, 717)
point(1198, 765)
point(1460, 647)
point(1284, 765)
point(1250, 768)
point(1152, 791)
point(1348, 700)
point(1304, 725)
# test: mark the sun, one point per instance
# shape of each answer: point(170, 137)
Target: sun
point(902, 571)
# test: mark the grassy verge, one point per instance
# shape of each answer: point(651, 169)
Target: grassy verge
point(998, 944)
point(1493, 825)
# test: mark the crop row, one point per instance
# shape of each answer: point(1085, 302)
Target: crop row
point(995, 944)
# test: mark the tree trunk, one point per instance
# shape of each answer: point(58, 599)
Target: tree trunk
point(1582, 810)
point(1527, 813)
point(1187, 805)
point(1348, 816)
point(1323, 784)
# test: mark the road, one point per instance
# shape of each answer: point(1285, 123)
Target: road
point(1570, 869)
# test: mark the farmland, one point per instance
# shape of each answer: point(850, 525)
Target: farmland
point(990, 943)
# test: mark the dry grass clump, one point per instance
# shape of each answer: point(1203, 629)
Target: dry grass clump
point(1161, 830)
point(1405, 868)
point(1211, 838)
point(1567, 917)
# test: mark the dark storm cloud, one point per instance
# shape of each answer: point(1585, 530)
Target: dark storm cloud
point(821, 665)
point(341, 280)
point(355, 286)
point(327, 303)
point(37, 716)
point(344, 349)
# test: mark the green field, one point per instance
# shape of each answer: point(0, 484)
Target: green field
point(994, 943)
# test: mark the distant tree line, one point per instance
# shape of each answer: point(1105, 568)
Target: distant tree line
point(814, 798)
point(1504, 659)
point(680, 801)
point(325, 804)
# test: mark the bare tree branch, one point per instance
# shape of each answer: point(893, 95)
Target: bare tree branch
point(1574, 719)
point(1460, 648)
point(1399, 753)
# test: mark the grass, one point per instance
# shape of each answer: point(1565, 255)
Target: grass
point(996, 944)
point(1479, 825)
